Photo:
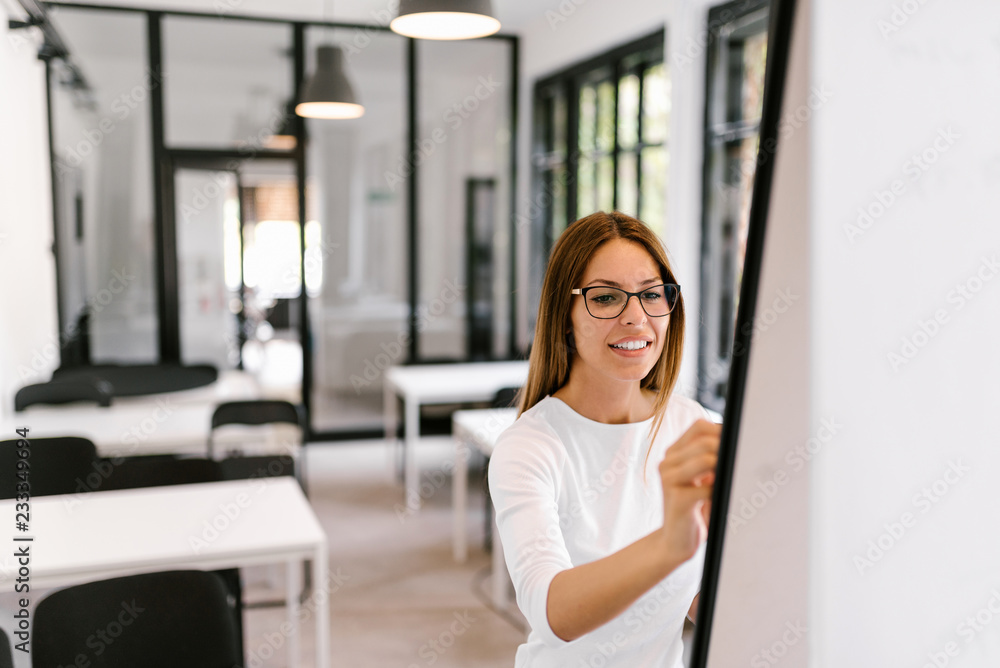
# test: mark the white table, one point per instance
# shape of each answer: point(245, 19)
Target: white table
point(111, 534)
point(477, 429)
point(167, 423)
point(439, 384)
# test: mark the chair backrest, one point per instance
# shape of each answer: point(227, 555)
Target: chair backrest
point(256, 412)
point(6, 657)
point(154, 620)
point(64, 391)
point(506, 397)
point(57, 465)
point(157, 471)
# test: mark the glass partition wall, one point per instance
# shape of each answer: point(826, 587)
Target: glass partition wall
point(312, 253)
point(103, 172)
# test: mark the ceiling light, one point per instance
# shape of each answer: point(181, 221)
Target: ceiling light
point(328, 93)
point(445, 19)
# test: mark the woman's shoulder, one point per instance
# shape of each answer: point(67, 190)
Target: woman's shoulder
point(532, 430)
point(680, 406)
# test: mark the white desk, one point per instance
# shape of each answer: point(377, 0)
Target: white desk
point(167, 423)
point(477, 429)
point(111, 534)
point(439, 384)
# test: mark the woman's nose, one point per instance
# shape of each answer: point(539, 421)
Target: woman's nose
point(634, 313)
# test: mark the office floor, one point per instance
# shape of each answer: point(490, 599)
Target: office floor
point(402, 600)
point(398, 598)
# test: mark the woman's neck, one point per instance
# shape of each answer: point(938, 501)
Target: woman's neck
point(607, 401)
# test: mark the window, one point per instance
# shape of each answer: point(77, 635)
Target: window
point(733, 103)
point(600, 143)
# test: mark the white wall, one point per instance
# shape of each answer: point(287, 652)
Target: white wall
point(28, 322)
point(908, 363)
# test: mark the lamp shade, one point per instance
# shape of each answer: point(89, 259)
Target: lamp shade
point(328, 93)
point(445, 19)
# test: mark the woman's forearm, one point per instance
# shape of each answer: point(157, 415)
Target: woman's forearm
point(586, 597)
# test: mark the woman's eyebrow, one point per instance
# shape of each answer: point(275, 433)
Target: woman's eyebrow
point(616, 284)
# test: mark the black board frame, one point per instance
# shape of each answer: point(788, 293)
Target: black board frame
point(781, 19)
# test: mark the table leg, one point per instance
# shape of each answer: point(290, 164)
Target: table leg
point(411, 475)
point(389, 421)
point(321, 598)
point(459, 499)
point(293, 585)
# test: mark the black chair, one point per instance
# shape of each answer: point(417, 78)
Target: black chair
point(153, 620)
point(162, 470)
point(6, 657)
point(158, 471)
point(56, 466)
point(258, 412)
point(64, 391)
point(130, 380)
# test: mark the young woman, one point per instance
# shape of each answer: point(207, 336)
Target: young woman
point(602, 485)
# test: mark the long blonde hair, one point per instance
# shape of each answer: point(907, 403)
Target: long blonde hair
point(551, 352)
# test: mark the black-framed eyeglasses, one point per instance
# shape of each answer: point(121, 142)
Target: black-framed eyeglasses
point(606, 302)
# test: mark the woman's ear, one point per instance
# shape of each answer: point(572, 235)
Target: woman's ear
point(570, 340)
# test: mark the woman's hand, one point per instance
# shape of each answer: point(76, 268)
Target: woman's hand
point(687, 473)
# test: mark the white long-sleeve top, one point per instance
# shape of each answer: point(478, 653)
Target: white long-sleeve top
point(568, 491)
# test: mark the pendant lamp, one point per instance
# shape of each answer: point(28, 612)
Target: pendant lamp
point(328, 93)
point(445, 19)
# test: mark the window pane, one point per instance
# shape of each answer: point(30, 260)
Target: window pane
point(228, 82)
point(655, 104)
point(628, 111)
point(605, 116)
point(628, 180)
point(654, 184)
point(586, 199)
point(559, 122)
point(104, 187)
point(605, 184)
point(356, 194)
point(754, 57)
point(559, 196)
point(463, 201)
point(588, 118)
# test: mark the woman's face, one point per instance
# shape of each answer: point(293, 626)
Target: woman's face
point(601, 351)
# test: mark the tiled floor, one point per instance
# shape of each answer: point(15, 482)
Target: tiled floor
point(403, 602)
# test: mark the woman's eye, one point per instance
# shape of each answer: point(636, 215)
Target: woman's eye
point(651, 296)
